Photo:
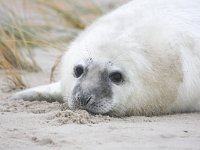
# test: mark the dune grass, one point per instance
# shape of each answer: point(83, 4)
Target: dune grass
point(49, 24)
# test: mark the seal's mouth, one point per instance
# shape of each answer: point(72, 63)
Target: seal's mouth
point(91, 105)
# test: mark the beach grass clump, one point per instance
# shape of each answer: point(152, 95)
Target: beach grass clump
point(25, 25)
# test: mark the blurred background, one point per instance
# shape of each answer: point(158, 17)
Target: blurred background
point(35, 33)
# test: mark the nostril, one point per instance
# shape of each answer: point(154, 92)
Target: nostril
point(84, 99)
point(88, 100)
point(78, 98)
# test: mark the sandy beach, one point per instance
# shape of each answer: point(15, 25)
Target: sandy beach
point(43, 125)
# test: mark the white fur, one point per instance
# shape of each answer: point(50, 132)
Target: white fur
point(157, 45)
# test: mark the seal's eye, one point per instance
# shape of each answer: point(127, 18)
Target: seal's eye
point(116, 77)
point(78, 71)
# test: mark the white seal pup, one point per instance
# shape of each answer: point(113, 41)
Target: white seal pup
point(141, 59)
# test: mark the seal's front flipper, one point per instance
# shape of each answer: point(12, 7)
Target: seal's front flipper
point(49, 93)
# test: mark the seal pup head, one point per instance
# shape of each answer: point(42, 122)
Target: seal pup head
point(97, 85)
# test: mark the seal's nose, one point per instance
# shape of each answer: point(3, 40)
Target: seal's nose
point(84, 99)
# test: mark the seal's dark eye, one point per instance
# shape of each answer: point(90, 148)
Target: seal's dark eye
point(78, 71)
point(116, 77)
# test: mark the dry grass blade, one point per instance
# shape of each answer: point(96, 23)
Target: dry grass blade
point(15, 80)
point(68, 16)
point(53, 69)
point(76, 14)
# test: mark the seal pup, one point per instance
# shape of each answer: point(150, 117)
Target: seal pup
point(140, 59)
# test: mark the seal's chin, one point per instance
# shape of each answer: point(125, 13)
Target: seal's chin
point(103, 107)
point(99, 109)
point(107, 109)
